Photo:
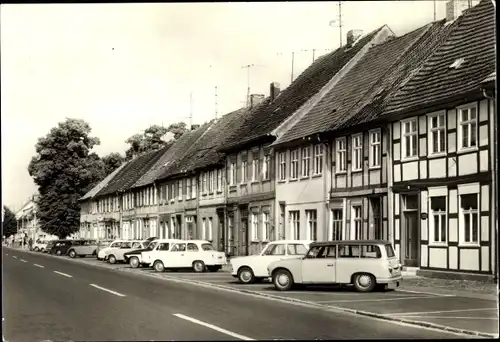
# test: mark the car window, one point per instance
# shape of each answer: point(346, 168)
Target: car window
point(296, 249)
point(207, 247)
point(349, 251)
point(115, 244)
point(315, 252)
point(126, 245)
point(370, 252)
point(192, 247)
point(164, 246)
point(136, 245)
point(389, 250)
point(152, 245)
point(277, 249)
point(180, 247)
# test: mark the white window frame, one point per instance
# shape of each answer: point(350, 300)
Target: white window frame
point(472, 125)
point(266, 175)
point(211, 181)
point(318, 159)
point(244, 171)
point(312, 224)
point(193, 187)
point(441, 133)
point(357, 152)
point(188, 188)
point(254, 220)
point(232, 173)
point(255, 170)
point(356, 220)
point(305, 162)
point(471, 212)
point(219, 180)
point(439, 213)
point(375, 153)
point(179, 190)
point(282, 166)
point(294, 164)
point(294, 219)
point(341, 155)
point(203, 228)
point(408, 135)
point(266, 226)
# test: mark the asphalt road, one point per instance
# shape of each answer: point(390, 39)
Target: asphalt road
point(40, 304)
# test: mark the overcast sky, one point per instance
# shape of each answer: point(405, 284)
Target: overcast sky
point(123, 67)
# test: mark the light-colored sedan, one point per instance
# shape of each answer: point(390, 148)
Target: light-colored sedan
point(103, 246)
point(40, 246)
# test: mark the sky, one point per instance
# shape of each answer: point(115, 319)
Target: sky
point(124, 67)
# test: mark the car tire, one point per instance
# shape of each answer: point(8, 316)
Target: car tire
point(36, 249)
point(364, 282)
point(245, 275)
point(59, 253)
point(199, 266)
point(158, 266)
point(112, 259)
point(134, 262)
point(282, 280)
point(72, 253)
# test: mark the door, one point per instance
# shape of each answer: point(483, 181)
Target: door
point(220, 231)
point(192, 253)
point(243, 245)
point(411, 242)
point(176, 257)
point(178, 227)
point(319, 266)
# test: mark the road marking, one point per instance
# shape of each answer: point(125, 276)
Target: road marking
point(371, 300)
point(449, 317)
point(63, 274)
point(39, 266)
point(214, 327)
point(433, 312)
point(107, 290)
point(429, 293)
point(14, 257)
point(23, 260)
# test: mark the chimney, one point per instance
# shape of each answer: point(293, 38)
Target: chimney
point(255, 99)
point(194, 127)
point(455, 8)
point(353, 36)
point(274, 90)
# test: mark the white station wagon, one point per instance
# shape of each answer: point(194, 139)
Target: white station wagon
point(197, 254)
point(253, 268)
point(160, 246)
point(362, 263)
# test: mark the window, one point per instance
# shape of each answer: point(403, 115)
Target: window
point(312, 225)
point(188, 188)
point(337, 224)
point(318, 159)
point(468, 127)
point(210, 229)
point(409, 138)
point(389, 251)
point(357, 152)
point(370, 252)
point(255, 170)
point(179, 247)
point(204, 176)
point(219, 180)
point(179, 190)
point(469, 230)
point(356, 222)
point(232, 174)
point(255, 226)
point(438, 219)
point(349, 251)
point(207, 247)
point(282, 166)
point(203, 228)
point(193, 187)
point(244, 167)
point(375, 150)
point(211, 181)
point(294, 164)
point(341, 155)
point(266, 234)
point(277, 249)
point(191, 247)
point(437, 134)
point(265, 167)
point(296, 249)
point(295, 224)
point(306, 161)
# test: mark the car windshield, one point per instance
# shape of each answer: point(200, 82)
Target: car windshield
point(152, 245)
point(207, 247)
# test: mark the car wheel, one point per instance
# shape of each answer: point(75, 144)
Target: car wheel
point(72, 253)
point(36, 249)
point(58, 253)
point(112, 259)
point(282, 280)
point(134, 262)
point(364, 282)
point(199, 266)
point(245, 275)
point(158, 266)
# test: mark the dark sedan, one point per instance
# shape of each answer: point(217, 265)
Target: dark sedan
point(61, 247)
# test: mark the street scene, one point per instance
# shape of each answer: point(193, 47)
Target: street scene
point(320, 170)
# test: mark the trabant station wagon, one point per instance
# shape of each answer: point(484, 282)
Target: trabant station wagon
point(366, 264)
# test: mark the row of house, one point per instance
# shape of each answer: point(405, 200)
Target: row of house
point(388, 138)
point(27, 222)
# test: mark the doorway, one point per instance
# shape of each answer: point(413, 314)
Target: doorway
point(410, 232)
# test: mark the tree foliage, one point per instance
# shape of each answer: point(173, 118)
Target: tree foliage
point(64, 170)
point(9, 224)
point(112, 161)
point(154, 138)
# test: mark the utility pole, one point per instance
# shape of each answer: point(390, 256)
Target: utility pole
point(340, 22)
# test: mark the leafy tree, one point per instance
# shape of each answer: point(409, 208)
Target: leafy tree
point(112, 161)
point(64, 169)
point(154, 138)
point(9, 224)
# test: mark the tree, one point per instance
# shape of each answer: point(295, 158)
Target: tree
point(64, 170)
point(112, 161)
point(9, 224)
point(154, 138)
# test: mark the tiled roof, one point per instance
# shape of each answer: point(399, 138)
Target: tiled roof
point(102, 183)
point(473, 40)
point(261, 122)
point(358, 84)
point(172, 155)
point(204, 152)
point(134, 169)
point(491, 77)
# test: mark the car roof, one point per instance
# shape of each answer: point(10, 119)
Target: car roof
point(356, 242)
point(292, 241)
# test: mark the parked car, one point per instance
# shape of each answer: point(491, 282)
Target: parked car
point(103, 247)
point(114, 255)
point(199, 255)
point(133, 257)
point(61, 247)
point(40, 246)
point(161, 245)
point(365, 264)
point(50, 245)
point(253, 268)
point(82, 248)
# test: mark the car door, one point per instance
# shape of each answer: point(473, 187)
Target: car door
point(296, 250)
point(126, 247)
point(319, 265)
point(273, 252)
point(193, 253)
point(176, 257)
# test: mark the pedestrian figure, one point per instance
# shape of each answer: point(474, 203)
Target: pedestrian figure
point(30, 244)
